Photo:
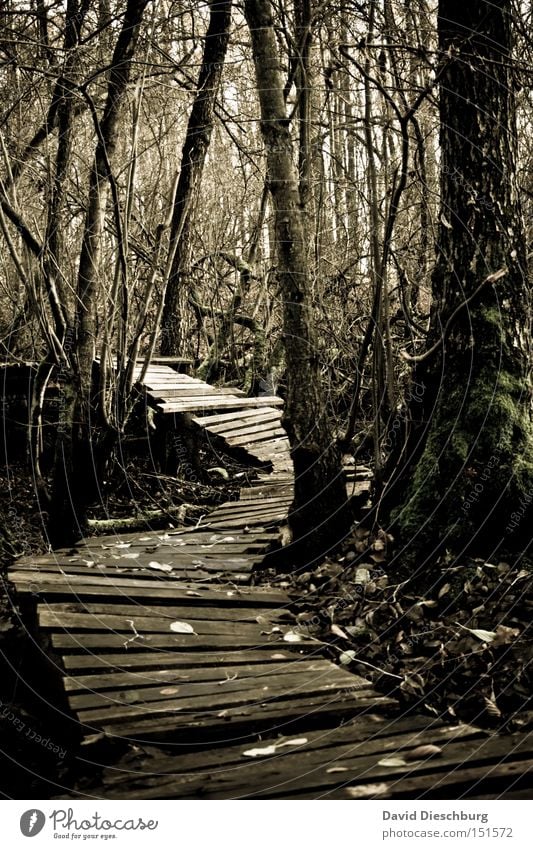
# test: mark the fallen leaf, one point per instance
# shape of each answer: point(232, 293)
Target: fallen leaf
point(347, 657)
point(258, 753)
point(422, 752)
point(392, 762)
point(368, 790)
point(337, 769)
point(169, 691)
point(292, 637)
point(335, 629)
point(182, 628)
point(480, 634)
point(492, 708)
point(163, 567)
point(270, 750)
point(220, 471)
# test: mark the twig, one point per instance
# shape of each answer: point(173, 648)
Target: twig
point(419, 358)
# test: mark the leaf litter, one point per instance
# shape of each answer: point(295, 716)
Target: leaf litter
point(462, 647)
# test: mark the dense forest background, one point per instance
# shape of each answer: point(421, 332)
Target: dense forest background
point(327, 200)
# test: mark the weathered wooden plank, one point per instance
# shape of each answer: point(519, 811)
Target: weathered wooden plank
point(467, 780)
point(191, 390)
point(216, 693)
point(270, 427)
point(244, 719)
point(253, 437)
point(164, 767)
point(119, 624)
point(130, 659)
point(219, 403)
point(250, 508)
point(340, 774)
point(259, 521)
point(179, 592)
point(139, 566)
point(227, 771)
point(213, 701)
point(216, 673)
point(242, 423)
point(109, 640)
point(67, 589)
point(221, 418)
point(173, 537)
point(191, 612)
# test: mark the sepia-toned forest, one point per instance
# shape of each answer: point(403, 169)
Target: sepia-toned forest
point(327, 202)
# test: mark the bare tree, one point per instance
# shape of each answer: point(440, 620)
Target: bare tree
point(319, 515)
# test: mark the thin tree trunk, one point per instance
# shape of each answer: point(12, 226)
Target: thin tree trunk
point(318, 515)
point(74, 468)
point(193, 156)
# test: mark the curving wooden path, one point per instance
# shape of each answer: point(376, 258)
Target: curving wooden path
point(162, 642)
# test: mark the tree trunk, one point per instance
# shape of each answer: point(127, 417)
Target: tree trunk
point(193, 156)
point(318, 516)
point(470, 471)
point(75, 471)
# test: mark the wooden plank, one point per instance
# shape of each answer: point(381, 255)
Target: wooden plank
point(172, 393)
point(165, 767)
point(246, 719)
point(254, 436)
point(116, 559)
point(120, 624)
point(179, 591)
point(228, 771)
point(259, 521)
point(191, 612)
point(219, 692)
point(214, 701)
point(174, 536)
point(256, 501)
point(300, 774)
point(161, 360)
point(130, 659)
point(220, 403)
point(470, 779)
point(245, 425)
point(111, 567)
point(109, 640)
point(218, 674)
point(111, 590)
point(220, 418)
point(193, 390)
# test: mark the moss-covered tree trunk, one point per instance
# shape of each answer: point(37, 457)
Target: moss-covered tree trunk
point(470, 470)
point(318, 515)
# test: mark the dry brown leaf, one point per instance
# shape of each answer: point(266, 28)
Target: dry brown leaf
point(338, 632)
point(421, 752)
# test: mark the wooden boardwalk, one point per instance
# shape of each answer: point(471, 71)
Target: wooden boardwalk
point(163, 643)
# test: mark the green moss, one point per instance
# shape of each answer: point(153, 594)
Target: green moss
point(476, 470)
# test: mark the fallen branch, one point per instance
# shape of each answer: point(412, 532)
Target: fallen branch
point(142, 519)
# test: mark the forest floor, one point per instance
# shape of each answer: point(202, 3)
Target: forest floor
point(463, 650)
